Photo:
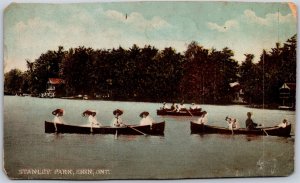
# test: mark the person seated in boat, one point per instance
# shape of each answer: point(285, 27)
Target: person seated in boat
point(250, 125)
point(91, 114)
point(233, 124)
point(173, 107)
point(117, 120)
point(58, 113)
point(283, 124)
point(146, 119)
point(194, 107)
point(165, 106)
point(229, 122)
point(181, 107)
point(203, 118)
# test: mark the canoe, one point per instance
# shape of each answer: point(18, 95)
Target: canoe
point(180, 113)
point(156, 129)
point(273, 131)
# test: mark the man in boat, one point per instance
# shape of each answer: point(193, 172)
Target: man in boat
point(117, 120)
point(283, 124)
point(203, 118)
point(91, 114)
point(146, 119)
point(58, 113)
point(250, 125)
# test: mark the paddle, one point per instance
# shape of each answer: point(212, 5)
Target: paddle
point(265, 132)
point(55, 127)
point(137, 130)
point(116, 134)
point(189, 112)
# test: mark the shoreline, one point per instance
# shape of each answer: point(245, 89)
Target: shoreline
point(255, 106)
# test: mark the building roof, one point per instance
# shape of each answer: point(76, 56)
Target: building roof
point(56, 81)
point(290, 86)
point(234, 84)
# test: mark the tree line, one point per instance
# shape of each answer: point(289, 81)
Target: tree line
point(148, 74)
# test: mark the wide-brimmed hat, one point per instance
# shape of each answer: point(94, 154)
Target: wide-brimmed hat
point(89, 112)
point(118, 111)
point(144, 113)
point(59, 112)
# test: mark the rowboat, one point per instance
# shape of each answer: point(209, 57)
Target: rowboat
point(273, 131)
point(180, 113)
point(155, 129)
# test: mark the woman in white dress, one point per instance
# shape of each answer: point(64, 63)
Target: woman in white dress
point(92, 120)
point(146, 119)
point(117, 120)
point(58, 113)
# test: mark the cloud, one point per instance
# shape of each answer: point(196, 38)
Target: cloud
point(230, 24)
point(137, 20)
point(269, 19)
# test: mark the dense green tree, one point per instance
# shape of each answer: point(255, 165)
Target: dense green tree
point(207, 74)
point(261, 81)
point(251, 80)
point(46, 66)
point(148, 74)
point(77, 71)
point(13, 81)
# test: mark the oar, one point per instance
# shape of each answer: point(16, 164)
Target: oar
point(116, 134)
point(55, 127)
point(137, 130)
point(265, 132)
point(189, 112)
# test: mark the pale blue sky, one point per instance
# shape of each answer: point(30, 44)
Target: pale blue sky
point(32, 29)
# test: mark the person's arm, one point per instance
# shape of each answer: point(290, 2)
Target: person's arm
point(113, 121)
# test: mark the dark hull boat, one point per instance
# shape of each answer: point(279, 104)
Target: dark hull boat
point(273, 131)
point(180, 113)
point(156, 129)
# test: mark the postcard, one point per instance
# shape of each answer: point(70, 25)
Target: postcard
point(149, 90)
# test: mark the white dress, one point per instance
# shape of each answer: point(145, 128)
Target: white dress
point(93, 121)
point(58, 119)
point(282, 125)
point(117, 122)
point(146, 121)
point(203, 120)
point(181, 107)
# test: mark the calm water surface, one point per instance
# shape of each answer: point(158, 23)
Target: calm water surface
point(178, 154)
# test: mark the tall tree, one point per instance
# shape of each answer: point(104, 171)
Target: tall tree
point(13, 81)
point(46, 66)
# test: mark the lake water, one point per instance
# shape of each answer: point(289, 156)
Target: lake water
point(177, 154)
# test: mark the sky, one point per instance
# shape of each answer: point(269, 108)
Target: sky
point(246, 28)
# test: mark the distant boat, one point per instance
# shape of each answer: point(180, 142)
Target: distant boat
point(273, 131)
point(283, 107)
point(195, 112)
point(155, 129)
